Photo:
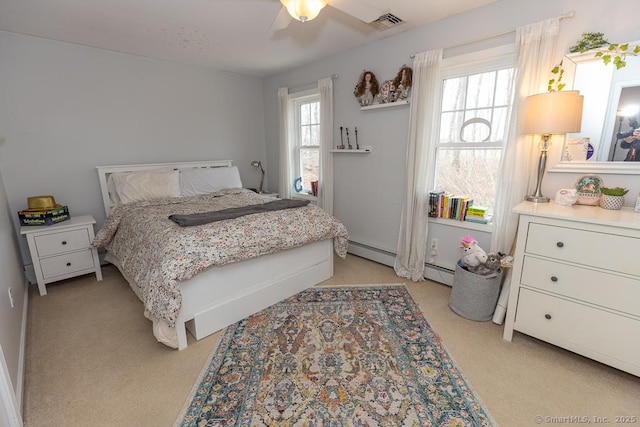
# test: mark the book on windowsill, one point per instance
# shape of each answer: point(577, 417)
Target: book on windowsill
point(443, 206)
point(478, 220)
point(478, 208)
point(479, 211)
point(459, 207)
point(434, 203)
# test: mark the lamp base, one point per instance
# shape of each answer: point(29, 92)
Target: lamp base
point(537, 199)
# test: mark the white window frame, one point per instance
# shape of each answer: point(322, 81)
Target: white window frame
point(465, 65)
point(295, 101)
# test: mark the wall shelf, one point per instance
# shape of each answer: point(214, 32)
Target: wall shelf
point(346, 150)
point(388, 104)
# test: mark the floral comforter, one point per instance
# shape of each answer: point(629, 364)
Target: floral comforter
point(158, 254)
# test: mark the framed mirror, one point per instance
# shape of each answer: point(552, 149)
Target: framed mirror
point(608, 116)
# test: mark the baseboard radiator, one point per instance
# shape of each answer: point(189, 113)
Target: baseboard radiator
point(438, 273)
point(371, 252)
point(432, 272)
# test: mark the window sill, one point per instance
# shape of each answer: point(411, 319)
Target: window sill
point(487, 228)
point(304, 196)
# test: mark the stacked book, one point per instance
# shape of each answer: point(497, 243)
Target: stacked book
point(479, 214)
point(43, 217)
point(447, 205)
point(435, 203)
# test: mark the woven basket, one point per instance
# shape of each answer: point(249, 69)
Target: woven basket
point(473, 296)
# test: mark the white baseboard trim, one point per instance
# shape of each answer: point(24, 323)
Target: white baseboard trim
point(10, 400)
point(30, 273)
point(23, 348)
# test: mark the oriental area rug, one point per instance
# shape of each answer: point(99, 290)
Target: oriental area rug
point(339, 356)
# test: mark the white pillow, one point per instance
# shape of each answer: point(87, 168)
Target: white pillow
point(145, 185)
point(208, 180)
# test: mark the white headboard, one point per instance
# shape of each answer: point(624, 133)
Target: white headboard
point(105, 171)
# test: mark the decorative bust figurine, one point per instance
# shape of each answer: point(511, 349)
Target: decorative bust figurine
point(367, 88)
point(402, 83)
point(398, 88)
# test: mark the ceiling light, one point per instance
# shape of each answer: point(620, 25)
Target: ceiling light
point(304, 10)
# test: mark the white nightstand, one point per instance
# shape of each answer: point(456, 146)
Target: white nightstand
point(62, 250)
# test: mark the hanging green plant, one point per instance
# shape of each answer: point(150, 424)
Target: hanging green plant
point(589, 41)
point(555, 84)
point(614, 53)
point(617, 54)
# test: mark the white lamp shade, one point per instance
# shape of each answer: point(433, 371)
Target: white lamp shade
point(304, 10)
point(553, 113)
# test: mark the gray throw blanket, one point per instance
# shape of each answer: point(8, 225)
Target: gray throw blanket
point(230, 213)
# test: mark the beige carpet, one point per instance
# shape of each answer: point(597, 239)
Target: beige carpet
point(92, 360)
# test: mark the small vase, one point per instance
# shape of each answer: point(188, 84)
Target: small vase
point(611, 202)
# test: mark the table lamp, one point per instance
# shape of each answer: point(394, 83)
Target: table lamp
point(258, 164)
point(547, 114)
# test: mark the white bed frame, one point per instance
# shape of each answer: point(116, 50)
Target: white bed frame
point(221, 296)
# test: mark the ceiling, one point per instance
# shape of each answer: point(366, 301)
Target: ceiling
point(226, 35)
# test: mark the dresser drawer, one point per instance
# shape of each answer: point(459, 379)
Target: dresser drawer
point(602, 250)
point(597, 287)
point(598, 334)
point(65, 241)
point(67, 264)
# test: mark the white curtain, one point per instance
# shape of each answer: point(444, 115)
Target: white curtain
point(286, 161)
point(325, 192)
point(412, 239)
point(535, 59)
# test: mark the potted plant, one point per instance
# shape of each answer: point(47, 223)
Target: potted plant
point(612, 198)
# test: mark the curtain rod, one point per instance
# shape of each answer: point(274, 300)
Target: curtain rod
point(492, 36)
point(309, 85)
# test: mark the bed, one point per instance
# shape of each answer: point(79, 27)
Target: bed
point(206, 277)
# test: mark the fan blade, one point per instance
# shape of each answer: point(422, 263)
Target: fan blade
point(282, 20)
point(358, 9)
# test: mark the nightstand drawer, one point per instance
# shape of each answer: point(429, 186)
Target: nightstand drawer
point(65, 241)
point(602, 250)
point(67, 264)
point(598, 334)
point(593, 286)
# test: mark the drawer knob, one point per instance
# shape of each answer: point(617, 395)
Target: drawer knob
point(64, 242)
point(547, 316)
point(560, 244)
point(68, 264)
point(554, 279)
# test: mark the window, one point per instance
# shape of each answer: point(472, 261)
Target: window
point(475, 108)
point(306, 139)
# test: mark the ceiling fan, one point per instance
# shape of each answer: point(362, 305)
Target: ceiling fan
point(306, 10)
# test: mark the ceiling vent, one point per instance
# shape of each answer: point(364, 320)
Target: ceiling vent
point(386, 21)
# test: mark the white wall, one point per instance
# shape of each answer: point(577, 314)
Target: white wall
point(12, 319)
point(64, 109)
point(369, 188)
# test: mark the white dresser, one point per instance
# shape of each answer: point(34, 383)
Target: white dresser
point(576, 281)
